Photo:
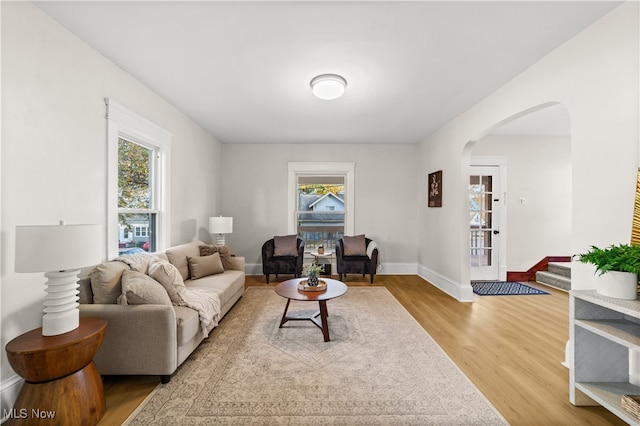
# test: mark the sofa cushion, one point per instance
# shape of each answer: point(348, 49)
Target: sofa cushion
point(105, 282)
point(226, 285)
point(188, 323)
point(171, 279)
point(285, 246)
point(355, 246)
point(225, 254)
point(178, 256)
point(203, 266)
point(141, 289)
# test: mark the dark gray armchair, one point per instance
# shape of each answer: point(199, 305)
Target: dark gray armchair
point(356, 264)
point(281, 264)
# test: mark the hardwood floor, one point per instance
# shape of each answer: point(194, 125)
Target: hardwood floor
point(511, 347)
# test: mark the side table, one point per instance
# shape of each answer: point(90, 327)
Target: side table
point(326, 255)
point(62, 384)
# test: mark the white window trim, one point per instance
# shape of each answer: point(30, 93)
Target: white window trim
point(122, 122)
point(321, 169)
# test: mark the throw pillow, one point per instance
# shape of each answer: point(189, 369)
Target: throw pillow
point(202, 266)
point(355, 246)
point(169, 276)
point(105, 282)
point(225, 254)
point(141, 289)
point(285, 246)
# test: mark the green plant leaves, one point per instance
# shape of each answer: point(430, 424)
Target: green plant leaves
point(621, 257)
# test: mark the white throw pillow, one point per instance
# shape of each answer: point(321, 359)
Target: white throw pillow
point(171, 279)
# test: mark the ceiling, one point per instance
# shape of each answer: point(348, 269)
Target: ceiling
point(242, 69)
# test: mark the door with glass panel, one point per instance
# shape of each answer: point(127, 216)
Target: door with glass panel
point(484, 199)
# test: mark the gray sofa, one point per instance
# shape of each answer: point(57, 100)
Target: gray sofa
point(150, 339)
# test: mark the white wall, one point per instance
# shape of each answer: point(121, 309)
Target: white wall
point(595, 76)
point(538, 170)
point(54, 150)
point(255, 194)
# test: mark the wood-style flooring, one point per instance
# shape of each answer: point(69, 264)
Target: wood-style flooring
point(511, 347)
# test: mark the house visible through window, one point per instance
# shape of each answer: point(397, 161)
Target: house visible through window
point(321, 202)
point(320, 210)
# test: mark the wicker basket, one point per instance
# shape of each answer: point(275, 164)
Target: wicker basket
point(631, 403)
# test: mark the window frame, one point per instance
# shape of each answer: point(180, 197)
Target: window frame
point(125, 124)
point(346, 169)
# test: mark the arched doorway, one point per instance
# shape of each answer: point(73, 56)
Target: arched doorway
point(520, 192)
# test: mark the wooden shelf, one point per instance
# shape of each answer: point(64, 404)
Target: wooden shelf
point(622, 332)
point(603, 331)
point(609, 395)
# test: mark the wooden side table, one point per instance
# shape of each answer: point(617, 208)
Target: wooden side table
point(62, 384)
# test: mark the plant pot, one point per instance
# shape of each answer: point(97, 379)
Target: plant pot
point(621, 285)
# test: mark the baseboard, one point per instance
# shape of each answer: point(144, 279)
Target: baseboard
point(9, 390)
point(384, 269)
point(453, 289)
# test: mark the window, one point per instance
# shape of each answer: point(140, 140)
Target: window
point(321, 202)
point(139, 154)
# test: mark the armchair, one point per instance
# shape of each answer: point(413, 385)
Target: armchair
point(291, 263)
point(362, 263)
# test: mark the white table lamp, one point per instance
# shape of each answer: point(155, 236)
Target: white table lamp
point(59, 251)
point(220, 226)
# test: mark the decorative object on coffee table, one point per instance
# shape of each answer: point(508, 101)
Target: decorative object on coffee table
point(312, 272)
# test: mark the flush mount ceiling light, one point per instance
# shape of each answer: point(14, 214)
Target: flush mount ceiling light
point(328, 86)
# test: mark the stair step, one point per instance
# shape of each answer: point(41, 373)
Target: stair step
point(560, 268)
point(553, 280)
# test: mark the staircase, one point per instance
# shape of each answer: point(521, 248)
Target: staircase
point(557, 275)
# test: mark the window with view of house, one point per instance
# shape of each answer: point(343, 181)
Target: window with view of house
point(139, 154)
point(320, 215)
point(321, 202)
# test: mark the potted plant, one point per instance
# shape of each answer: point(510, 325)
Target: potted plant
point(617, 267)
point(312, 272)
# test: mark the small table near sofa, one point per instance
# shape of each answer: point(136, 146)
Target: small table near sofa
point(61, 380)
point(289, 290)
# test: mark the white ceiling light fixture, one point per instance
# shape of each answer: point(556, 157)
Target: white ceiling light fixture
point(328, 86)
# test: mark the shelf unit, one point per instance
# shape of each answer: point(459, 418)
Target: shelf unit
point(603, 330)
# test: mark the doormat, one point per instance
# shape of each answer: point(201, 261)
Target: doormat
point(503, 288)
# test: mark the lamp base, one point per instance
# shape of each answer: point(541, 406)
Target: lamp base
point(220, 240)
point(61, 313)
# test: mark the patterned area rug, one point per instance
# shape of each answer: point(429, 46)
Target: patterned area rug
point(503, 288)
point(380, 368)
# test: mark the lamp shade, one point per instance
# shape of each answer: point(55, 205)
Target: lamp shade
point(220, 225)
point(56, 247)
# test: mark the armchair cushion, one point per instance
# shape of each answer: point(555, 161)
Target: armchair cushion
point(285, 246)
point(355, 246)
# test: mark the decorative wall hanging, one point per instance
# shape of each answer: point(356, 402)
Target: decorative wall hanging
point(434, 188)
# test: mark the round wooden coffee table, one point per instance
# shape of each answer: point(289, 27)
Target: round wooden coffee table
point(289, 290)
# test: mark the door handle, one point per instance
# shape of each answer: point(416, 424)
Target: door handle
point(496, 232)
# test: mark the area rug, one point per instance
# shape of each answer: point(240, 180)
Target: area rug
point(503, 288)
point(380, 368)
